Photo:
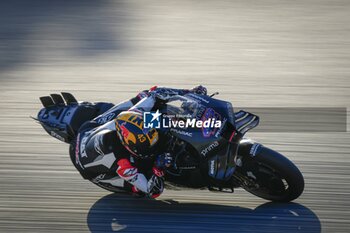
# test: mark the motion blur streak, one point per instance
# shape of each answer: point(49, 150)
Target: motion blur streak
point(255, 53)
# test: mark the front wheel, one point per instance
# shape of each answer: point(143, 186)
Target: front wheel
point(268, 174)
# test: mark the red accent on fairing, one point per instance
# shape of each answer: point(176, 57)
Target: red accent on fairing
point(158, 172)
point(232, 135)
point(124, 165)
point(153, 88)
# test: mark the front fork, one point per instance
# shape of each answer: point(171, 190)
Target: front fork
point(247, 150)
point(240, 150)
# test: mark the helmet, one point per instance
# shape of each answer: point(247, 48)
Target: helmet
point(138, 141)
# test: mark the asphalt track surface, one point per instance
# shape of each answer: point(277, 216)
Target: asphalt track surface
point(255, 53)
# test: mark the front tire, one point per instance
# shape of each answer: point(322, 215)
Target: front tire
point(269, 175)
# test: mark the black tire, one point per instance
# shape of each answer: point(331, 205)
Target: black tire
point(277, 177)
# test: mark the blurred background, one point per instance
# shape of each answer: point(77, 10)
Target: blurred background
point(268, 53)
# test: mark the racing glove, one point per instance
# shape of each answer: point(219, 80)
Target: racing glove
point(165, 94)
point(130, 174)
point(199, 90)
point(153, 187)
point(162, 93)
point(156, 185)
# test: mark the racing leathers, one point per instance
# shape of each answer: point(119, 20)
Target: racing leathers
point(99, 155)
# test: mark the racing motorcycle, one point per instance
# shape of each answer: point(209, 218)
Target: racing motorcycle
point(217, 157)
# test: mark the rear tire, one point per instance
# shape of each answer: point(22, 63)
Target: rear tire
point(275, 176)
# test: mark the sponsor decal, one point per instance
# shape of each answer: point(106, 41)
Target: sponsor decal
point(181, 132)
point(209, 148)
point(212, 167)
point(77, 160)
point(59, 137)
point(208, 115)
point(254, 149)
point(97, 144)
point(77, 150)
point(218, 133)
point(200, 112)
point(83, 143)
point(82, 146)
point(106, 118)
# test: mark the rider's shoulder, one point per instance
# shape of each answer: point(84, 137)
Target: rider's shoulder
point(94, 126)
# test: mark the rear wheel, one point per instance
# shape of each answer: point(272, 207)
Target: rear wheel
point(270, 175)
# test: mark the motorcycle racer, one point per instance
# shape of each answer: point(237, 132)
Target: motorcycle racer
point(114, 145)
point(196, 140)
